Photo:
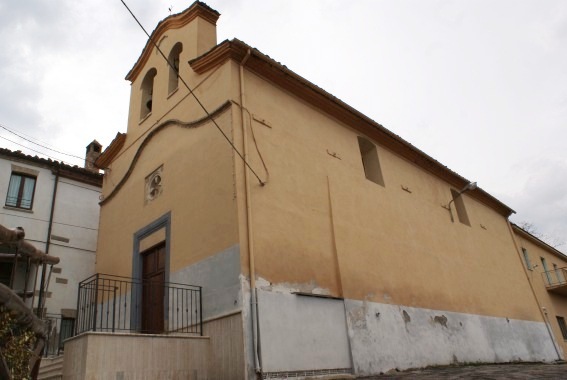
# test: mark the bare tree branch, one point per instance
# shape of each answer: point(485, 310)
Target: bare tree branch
point(548, 239)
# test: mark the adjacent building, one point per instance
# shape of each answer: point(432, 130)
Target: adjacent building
point(546, 271)
point(320, 242)
point(57, 206)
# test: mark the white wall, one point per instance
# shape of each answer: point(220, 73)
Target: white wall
point(76, 216)
point(384, 337)
point(35, 221)
point(302, 333)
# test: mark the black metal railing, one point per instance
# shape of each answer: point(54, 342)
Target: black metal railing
point(120, 304)
point(58, 328)
point(555, 277)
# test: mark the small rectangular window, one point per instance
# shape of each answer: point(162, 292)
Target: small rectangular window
point(527, 259)
point(370, 161)
point(21, 191)
point(460, 207)
point(562, 326)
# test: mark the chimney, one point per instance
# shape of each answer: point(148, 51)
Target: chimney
point(94, 150)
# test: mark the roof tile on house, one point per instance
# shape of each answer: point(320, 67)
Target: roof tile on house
point(72, 172)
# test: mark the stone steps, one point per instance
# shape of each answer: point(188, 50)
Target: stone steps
point(51, 368)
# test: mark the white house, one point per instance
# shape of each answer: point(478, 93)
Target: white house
point(57, 206)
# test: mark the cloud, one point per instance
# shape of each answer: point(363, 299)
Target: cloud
point(63, 68)
point(542, 200)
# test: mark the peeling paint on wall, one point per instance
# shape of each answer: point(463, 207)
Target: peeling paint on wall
point(245, 296)
point(406, 316)
point(442, 320)
point(291, 287)
point(357, 316)
point(384, 337)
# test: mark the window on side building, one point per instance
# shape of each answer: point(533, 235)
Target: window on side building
point(21, 191)
point(527, 259)
point(558, 274)
point(370, 161)
point(546, 271)
point(562, 326)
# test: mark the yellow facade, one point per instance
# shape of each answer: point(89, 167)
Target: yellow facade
point(388, 267)
point(203, 200)
point(319, 219)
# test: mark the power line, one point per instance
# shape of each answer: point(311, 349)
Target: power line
point(33, 150)
point(31, 138)
point(193, 94)
point(43, 146)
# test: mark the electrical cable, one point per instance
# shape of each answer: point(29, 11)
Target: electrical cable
point(33, 150)
point(33, 138)
point(43, 146)
point(250, 120)
point(193, 94)
point(82, 187)
point(47, 221)
point(135, 140)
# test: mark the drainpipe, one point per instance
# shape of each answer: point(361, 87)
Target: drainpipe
point(542, 309)
point(253, 296)
point(47, 243)
point(548, 324)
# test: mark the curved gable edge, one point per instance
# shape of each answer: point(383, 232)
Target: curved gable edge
point(172, 122)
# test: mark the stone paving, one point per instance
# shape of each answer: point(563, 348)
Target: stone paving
point(488, 371)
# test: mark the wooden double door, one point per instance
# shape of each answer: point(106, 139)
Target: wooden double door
point(153, 289)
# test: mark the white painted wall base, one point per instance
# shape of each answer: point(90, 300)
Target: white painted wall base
point(384, 337)
point(301, 333)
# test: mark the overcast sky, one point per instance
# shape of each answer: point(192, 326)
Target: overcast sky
point(479, 85)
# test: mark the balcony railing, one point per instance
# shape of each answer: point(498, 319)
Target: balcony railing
point(110, 303)
point(556, 280)
point(58, 329)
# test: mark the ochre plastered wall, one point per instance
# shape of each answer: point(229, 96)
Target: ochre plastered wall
point(198, 181)
point(382, 244)
point(197, 189)
point(554, 304)
point(177, 105)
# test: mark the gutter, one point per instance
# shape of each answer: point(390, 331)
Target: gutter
point(40, 300)
point(251, 261)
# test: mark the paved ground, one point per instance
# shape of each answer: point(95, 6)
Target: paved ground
point(488, 372)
